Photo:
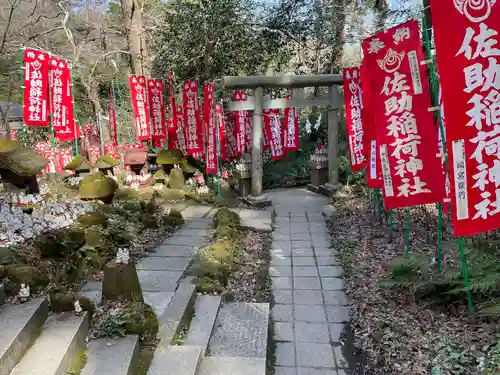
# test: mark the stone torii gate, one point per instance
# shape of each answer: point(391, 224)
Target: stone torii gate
point(257, 103)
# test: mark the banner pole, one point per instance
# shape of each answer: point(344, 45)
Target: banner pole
point(217, 145)
point(465, 275)
point(75, 118)
point(407, 233)
point(25, 136)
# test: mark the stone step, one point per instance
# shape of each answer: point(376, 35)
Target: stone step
point(206, 309)
point(112, 357)
point(241, 330)
point(175, 360)
point(57, 348)
point(233, 366)
point(19, 328)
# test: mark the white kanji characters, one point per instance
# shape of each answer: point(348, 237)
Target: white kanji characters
point(414, 165)
point(418, 187)
point(406, 145)
point(485, 43)
point(404, 124)
point(492, 75)
point(487, 109)
point(483, 206)
point(481, 177)
point(398, 83)
point(401, 34)
point(473, 77)
point(494, 173)
point(375, 45)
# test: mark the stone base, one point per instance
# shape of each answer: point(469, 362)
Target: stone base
point(2, 295)
point(245, 186)
point(258, 202)
point(327, 189)
point(319, 176)
point(312, 188)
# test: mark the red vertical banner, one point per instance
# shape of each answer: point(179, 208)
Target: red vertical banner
point(36, 87)
point(112, 118)
point(192, 121)
point(172, 112)
point(209, 120)
point(229, 121)
point(240, 124)
point(354, 118)
point(469, 67)
point(222, 131)
point(62, 116)
point(291, 130)
point(373, 174)
point(248, 131)
point(406, 133)
point(140, 107)
point(273, 129)
point(181, 132)
point(442, 147)
point(71, 109)
point(157, 106)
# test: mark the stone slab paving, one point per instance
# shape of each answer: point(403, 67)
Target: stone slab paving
point(310, 308)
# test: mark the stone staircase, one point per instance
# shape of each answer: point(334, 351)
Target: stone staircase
point(222, 339)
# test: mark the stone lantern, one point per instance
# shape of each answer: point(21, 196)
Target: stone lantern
point(318, 164)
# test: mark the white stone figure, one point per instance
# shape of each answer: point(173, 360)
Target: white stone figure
point(78, 308)
point(119, 257)
point(125, 256)
point(24, 293)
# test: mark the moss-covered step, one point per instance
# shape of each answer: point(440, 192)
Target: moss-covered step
point(20, 326)
point(117, 359)
point(61, 340)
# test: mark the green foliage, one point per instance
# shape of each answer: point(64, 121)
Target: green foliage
point(453, 359)
point(493, 360)
point(225, 216)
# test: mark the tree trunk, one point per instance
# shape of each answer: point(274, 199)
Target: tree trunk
point(132, 19)
point(93, 94)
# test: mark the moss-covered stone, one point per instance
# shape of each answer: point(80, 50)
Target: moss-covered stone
point(172, 195)
point(97, 186)
point(8, 145)
point(187, 168)
point(160, 176)
point(63, 302)
point(141, 320)
point(127, 194)
point(176, 179)
point(94, 218)
point(24, 273)
point(59, 243)
point(208, 285)
point(79, 163)
point(225, 216)
point(106, 161)
point(226, 231)
point(173, 218)
point(121, 283)
point(165, 157)
point(22, 161)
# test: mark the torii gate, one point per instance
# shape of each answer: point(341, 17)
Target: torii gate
point(257, 103)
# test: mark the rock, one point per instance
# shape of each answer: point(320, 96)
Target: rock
point(97, 186)
point(172, 195)
point(78, 164)
point(176, 179)
point(224, 216)
point(329, 211)
point(106, 162)
point(22, 161)
point(169, 157)
point(23, 273)
point(62, 302)
point(142, 321)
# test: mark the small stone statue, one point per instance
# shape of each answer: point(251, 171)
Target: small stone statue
point(78, 308)
point(119, 256)
point(24, 293)
point(125, 256)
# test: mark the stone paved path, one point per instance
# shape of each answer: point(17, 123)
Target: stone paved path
point(310, 309)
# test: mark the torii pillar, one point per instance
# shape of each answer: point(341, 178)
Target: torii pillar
point(257, 104)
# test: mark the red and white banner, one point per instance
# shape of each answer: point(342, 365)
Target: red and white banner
point(112, 118)
point(192, 121)
point(240, 124)
point(63, 158)
point(210, 124)
point(222, 131)
point(469, 68)
point(172, 112)
point(46, 150)
point(94, 154)
point(248, 132)
point(140, 107)
point(291, 139)
point(230, 136)
point(112, 150)
point(157, 103)
point(181, 132)
point(13, 134)
point(411, 168)
point(373, 175)
point(62, 115)
point(273, 128)
point(354, 107)
point(36, 87)
point(441, 148)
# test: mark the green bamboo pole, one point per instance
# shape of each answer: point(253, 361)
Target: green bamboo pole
point(408, 230)
point(21, 58)
point(435, 102)
point(460, 243)
point(118, 136)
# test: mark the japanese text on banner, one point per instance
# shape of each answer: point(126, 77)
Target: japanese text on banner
point(354, 116)
point(469, 67)
point(172, 113)
point(62, 115)
point(222, 131)
point(140, 107)
point(404, 124)
point(192, 121)
point(273, 129)
point(157, 105)
point(291, 132)
point(241, 124)
point(209, 119)
point(36, 87)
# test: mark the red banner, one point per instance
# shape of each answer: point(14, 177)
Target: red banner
point(248, 132)
point(401, 102)
point(374, 180)
point(140, 107)
point(157, 103)
point(63, 158)
point(354, 118)
point(273, 129)
point(62, 116)
point(192, 120)
point(172, 117)
point(240, 124)
point(181, 132)
point(291, 139)
point(44, 149)
point(112, 118)
point(222, 131)
point(469, 62)
point(36, 87)
point(230, 136)
point(209, 119)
